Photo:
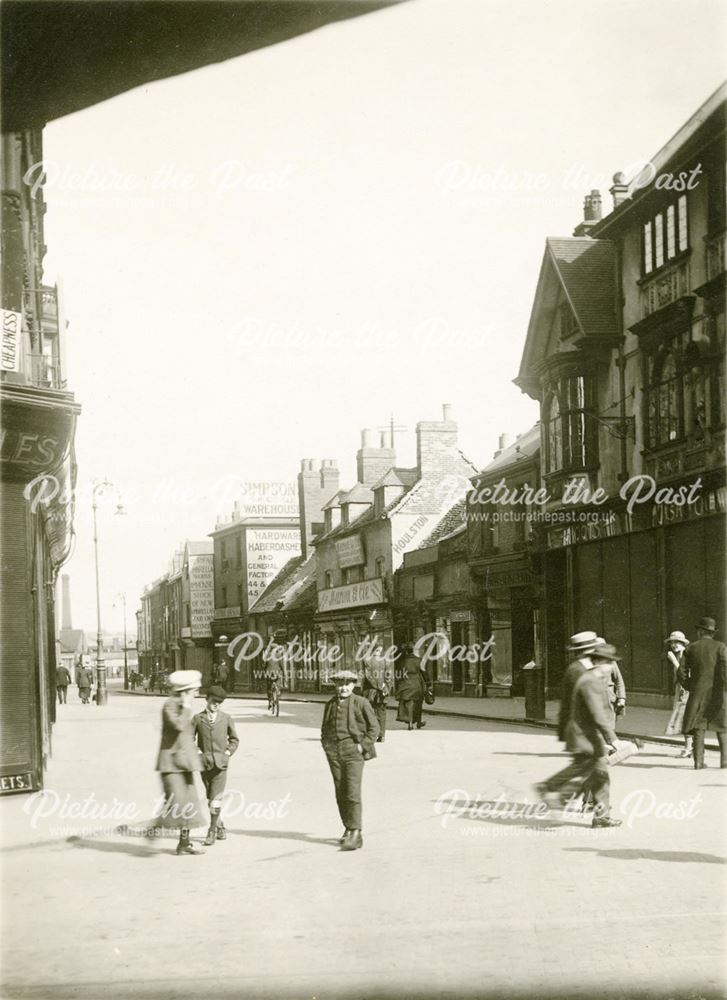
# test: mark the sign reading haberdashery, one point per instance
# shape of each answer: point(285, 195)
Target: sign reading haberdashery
point(352, 595)
point(201, 594)
point(268, 550)
point(12, 327)
point(350, 551)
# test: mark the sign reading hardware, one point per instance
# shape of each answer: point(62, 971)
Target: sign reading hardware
point(352, 595)
point(350, 551)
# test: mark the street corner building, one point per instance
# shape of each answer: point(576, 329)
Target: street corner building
point(625, 354)
point(39, 416)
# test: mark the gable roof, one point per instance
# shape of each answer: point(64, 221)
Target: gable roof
point(452, 523)
point(73, 640)
point(397, 477)
point(523, 447)
point(290, 588)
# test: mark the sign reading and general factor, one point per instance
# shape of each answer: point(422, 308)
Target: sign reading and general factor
point(350, 552)
point(352, 595)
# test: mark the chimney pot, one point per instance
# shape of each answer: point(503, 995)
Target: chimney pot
point(620, 189)
point(592, 206)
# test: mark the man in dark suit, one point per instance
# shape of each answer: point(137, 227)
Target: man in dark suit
point(377, 681)
point(63, 679)
point(704, 674)
point(348, 734)
point(217, 740)
point(589, 734)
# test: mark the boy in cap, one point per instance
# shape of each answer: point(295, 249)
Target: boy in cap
point(217, 740)
point(348, 734)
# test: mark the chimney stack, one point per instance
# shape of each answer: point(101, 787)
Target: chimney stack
point(591, 213)
point(437, 452)
point(316, 486)
point(66, 621)
point(374, 458)
point(504, 441)
point(619, 191)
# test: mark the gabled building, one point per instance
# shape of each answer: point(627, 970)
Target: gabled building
point(625, 354)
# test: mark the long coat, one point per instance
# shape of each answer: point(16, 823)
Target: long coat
point(704, 674)
point(216, 741)
point(413, 685)
point(177, 751)
point(575, 670)
point(363, 726)
point(84, 677)
point(590, 726)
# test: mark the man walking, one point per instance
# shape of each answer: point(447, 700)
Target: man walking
point(63, 679)
point(589, 734)
point(376, 686)
point(84, 680)
point(580, 647)
point(348, 734)
point(216, 738)
point(704, 674)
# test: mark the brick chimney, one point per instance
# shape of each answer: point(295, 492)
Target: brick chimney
point(437, 452)
point(591, 213)
point(316, 486)
point(504, 441)
point(620, 190)
point(374, 458)
point(66, 601)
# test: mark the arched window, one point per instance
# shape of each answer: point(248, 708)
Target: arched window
point(664, 401)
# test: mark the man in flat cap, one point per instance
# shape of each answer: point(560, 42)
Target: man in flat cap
point(348, 734)
point(704, 674)
point(217, 740)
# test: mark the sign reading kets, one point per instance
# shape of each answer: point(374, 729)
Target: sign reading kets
point(268, 549)
point(351, 596)
point(12, 333)
point(201, 595)
point(350, 551)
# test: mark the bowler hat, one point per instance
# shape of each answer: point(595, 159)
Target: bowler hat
point(605, 651)
point(582, 642)
point(707, 624)
point(344, 675)
point(217, 692)
point(677, 636)
point(185, 680)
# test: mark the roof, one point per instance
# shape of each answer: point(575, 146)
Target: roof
point(289, 588)
point(523, 447)
point(586, 269)
point(73, 640)
point(335, 500)
point(452, 523)
point(397, 477)
point(358, 494)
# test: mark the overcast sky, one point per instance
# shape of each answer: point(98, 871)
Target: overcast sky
point(261, 258)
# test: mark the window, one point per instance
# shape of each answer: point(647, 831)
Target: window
point(665, 236)
point(380, 567)
point(223, 596)
point(327, 580)
point(239, 594)
point(238, 546)
point(352, 574)
point(664, 404)
point(568, 441)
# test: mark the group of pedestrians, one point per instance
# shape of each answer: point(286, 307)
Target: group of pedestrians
point(84, 682)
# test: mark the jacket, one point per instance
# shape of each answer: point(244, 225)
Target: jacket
point(363, 725)
point(376, 681)
point(414, 683)
point(615, 684)
point(63, 678)
point(574, 671)
point(216, 742)
point(177, 751)
point(704, 674)
point(590, 726)
point(84, 678)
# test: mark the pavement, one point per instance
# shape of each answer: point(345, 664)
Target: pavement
point(462, 888)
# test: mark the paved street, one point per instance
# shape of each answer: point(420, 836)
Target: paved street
point(445, 900)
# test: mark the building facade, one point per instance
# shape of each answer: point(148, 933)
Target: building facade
point(38, 469)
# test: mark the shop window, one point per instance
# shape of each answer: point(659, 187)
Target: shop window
point(568, 443)
point(665, 236)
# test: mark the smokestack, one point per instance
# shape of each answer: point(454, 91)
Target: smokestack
point(66, 601)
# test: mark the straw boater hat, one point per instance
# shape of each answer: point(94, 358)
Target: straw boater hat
point(344, 675)
point(677, 636)
point(582, 642)
point(185, 680)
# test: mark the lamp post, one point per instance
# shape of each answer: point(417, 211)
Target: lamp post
point(102, 696)
point(122, 598)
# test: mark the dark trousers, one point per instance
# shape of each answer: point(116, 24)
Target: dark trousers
point(378, 703)
point(62, 694)
point(699, 747)
point(593, 771)
point(346, 763)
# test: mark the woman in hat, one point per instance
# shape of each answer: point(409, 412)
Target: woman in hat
point(411, 690)
point(178, 760)
point(675, 644)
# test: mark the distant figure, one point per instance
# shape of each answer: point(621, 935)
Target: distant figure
point(411, 690)
point(84, 679)
point(704, 673)
point(377, 680)
point(676, 643)
point(63, 679)
point(223, 676)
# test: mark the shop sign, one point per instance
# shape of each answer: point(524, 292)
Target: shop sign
point(268, 550)
point(12, 334)
point(460, 616)
point(23, 782)
point(201, 595)
point(351, 596)
point(350, 551)
point(227, 612)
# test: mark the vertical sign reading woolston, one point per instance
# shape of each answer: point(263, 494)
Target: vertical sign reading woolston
point(268, 549)
point(201, 594)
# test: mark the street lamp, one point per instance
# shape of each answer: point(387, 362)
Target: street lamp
point(101, 692)
point(122, 598)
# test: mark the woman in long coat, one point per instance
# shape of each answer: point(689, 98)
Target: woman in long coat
point(179, 760)
point(410, 692)
point(675, 646)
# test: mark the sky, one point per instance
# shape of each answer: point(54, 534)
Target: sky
point(261, 258)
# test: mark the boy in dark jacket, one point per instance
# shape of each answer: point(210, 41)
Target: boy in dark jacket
point(217, 740)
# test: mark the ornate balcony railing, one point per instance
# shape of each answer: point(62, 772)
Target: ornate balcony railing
point(665, 287)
